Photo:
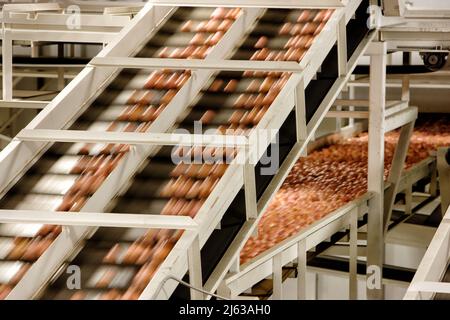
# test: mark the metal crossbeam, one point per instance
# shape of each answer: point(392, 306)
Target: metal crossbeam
point(23, 104)
point(286, 4)
point(196, 64)
point(91, 219)
point(132, 138)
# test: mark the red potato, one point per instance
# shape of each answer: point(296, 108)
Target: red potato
point(187, 26)
point(216, 85)
point(262, 42)
point(286, 29)
point(207, 117)
point(219, 13)
point(225, 25)
point(231, 86)
point(305, 16)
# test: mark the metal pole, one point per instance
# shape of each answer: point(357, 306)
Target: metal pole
point(195, 269)
point(353, 255)
point(7, 68)
point(375, 234)
point(396, 171)
point(277, 277)
point(301, 270)
point(444, 179)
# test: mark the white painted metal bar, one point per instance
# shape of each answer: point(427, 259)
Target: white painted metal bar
point(434, 263)
point(342, 47)
point(133, 138)
point(364, 103)
point(251, 202)
point(347, 114)
point(444, 178)
point(23, 104)
point(277, 277)
point(196, 64)
point(31, 7)
point(5, 138)
point(7, 69)
point(286, 4)
point(395, 173)
point(433, 287)
point(300, 112)
point(50, 22)
point(301, 270)
point(406, 94)
point(377, 128)
point(401, 118)
point(195, 269)
point(353, 255)
point(100, 6)
point(92, 219)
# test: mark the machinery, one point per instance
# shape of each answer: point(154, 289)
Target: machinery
point(91, 189)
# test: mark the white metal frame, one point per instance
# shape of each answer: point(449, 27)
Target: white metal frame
point(287, 4)
point(426, 282)
point(115, 56)
point(48, 22)
point(444, 178)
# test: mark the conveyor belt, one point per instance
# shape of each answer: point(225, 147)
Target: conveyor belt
point(119, 263)
point(67, 175)
point(317, 89)
point(110, 259)
point(218, 107)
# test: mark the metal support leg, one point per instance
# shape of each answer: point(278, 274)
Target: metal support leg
point(353, 256)
point(251, 207)
point(61, 81)
point(300, 113)
point(301, 270)
point(351, 96)
point(408, 198)
point(398, 163)
point(405, 88)
point(195, 269)
point(224, 291)
point(7, 68)
point(444, 179)
point(236, 265)
point(277, 277)
point(342, 47)
point(375, 234)
point(434, 181)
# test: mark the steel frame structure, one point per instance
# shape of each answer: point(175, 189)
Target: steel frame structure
point(49, 22)
point(98, 76)
point(50, 124)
